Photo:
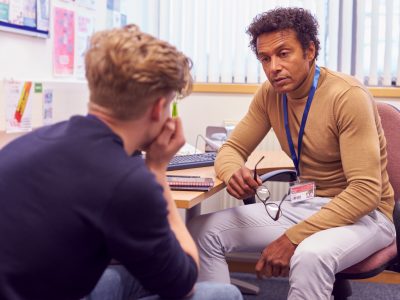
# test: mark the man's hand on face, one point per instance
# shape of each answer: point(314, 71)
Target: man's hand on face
point(275, 259)
point(166, 145)
point(242, 184)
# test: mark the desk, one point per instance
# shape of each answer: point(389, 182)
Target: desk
point(191, 200)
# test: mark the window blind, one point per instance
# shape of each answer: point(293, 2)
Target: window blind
point(358, 37)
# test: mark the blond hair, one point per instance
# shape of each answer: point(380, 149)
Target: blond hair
point(127, 70)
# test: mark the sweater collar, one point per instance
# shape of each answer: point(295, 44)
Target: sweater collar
point(303, 90)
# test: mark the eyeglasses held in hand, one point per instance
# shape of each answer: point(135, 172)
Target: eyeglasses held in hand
point(273, 209)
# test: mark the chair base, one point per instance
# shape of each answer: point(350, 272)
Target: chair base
point(245, 287)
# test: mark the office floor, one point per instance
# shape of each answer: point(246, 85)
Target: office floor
point(277, 289)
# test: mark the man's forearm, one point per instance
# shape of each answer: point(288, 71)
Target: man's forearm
point(176, 222)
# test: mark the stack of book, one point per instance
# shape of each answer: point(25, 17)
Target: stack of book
point(190, 183)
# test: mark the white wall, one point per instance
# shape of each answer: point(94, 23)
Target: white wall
point(197, 111)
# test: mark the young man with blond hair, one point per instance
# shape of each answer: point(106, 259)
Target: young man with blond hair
point(74, 196)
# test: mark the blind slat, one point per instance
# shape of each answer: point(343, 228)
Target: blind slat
point(387, 73)
point(200, 50)
point(373, 77)
point(213, 10)
point(227, 43)
point(332, 51)
point(360, 41)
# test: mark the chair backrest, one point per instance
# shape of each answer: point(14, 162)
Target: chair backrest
point(390, 118)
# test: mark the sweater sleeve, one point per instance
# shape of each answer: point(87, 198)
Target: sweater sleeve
point(233, 154)
point(139, 236)
point(360, 156)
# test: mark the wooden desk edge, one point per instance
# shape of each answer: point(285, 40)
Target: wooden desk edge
point(187, 204)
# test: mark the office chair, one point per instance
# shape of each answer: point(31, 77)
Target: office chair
point(385, 259)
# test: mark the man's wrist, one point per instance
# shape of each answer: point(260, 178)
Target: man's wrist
point(291, 239)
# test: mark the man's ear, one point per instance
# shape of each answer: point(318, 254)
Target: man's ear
point(157, 108)
point(310, 52)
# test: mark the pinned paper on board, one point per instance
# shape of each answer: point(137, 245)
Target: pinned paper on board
point(85, 29)
point(63, 38)
point(47, 107)
point(18, 106)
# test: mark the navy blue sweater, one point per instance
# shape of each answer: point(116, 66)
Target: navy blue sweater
point(70, 200)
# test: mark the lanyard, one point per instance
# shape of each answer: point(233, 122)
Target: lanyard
point(296, 158)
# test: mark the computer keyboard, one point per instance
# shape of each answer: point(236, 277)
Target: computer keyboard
point(192, 161)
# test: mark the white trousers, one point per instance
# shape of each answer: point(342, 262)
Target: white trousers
point(317, 258)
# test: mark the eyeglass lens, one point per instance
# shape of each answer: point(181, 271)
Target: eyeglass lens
point(273, 210)
point(263, 193)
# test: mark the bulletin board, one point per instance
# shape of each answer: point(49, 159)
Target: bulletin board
point(29, 17)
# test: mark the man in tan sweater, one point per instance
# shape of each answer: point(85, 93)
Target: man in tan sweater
point(328, 123)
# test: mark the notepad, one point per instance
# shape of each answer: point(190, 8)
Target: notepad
point(190, 183)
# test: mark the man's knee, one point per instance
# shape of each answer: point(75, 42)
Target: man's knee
point(203, 233)
point(309, 258)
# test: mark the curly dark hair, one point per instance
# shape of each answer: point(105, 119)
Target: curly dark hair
point(297, 19)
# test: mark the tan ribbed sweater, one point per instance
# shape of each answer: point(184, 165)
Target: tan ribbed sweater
point(343, 151)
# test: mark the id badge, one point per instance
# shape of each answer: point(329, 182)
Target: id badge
point(302, 191)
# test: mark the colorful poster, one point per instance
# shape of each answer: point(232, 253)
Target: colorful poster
point(18, 105)
point(43, 15)
point(4, 8)
point(84, 31)
point(63, 56)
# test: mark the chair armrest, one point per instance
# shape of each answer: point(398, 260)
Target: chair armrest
point(394, 265)
point(282, 175)
point(396, 220)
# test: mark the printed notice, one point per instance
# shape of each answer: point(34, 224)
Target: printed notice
point(18, 106)
point(48, 107)
point(29, 13)
point(83, 33)
point(16, 13)
point(43, 12)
